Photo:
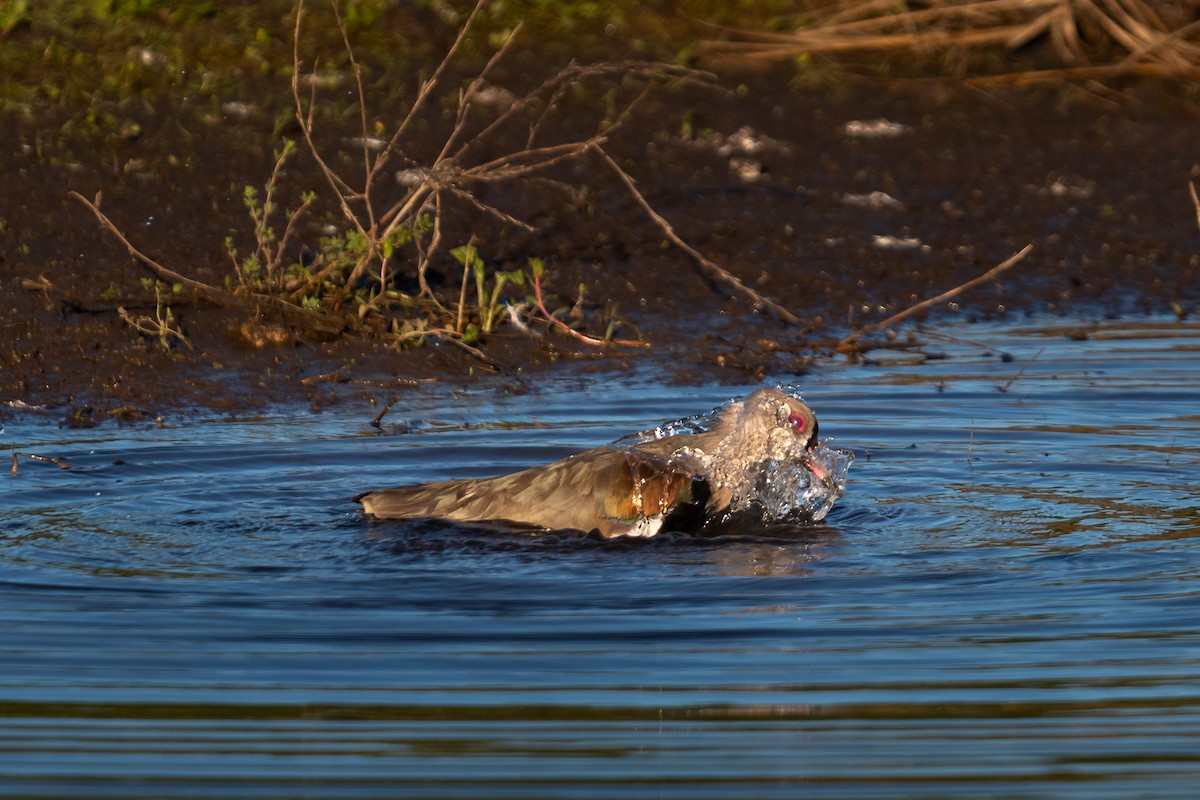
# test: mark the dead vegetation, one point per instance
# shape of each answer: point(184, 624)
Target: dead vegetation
point(1091, 39)
point(16, 456)
point(851, 343)
point(398, 208)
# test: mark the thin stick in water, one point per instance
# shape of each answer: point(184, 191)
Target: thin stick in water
point(924, 304)
point(58, 462)
point(1021, 372)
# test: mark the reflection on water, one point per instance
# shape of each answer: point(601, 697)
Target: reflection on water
point(1005, 603)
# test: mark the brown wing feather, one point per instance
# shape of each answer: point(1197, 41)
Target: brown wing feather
point(611, 490)
point(603, 489)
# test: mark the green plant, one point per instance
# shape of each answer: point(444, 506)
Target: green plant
point(266, 268)
point(487, 299)
point(393, 205)
point(476, 153)
point(162, 325)
point(12, 14)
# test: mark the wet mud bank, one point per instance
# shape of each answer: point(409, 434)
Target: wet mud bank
point(843, 202)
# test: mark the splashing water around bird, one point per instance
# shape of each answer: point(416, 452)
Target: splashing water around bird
point(756, 459)
point(788, 482)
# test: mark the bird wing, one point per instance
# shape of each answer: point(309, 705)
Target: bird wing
point(603, 489)
point(687, 452)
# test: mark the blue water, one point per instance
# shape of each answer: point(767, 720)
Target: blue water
point(1005, 603)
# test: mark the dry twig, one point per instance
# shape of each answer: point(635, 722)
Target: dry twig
point(712, 269)
point(301, 317)
point(1195, 200)
point(454, 338)
point(1020, 372)
point(453, 174)
point(567, 329)
point(58, 462)
point(465, 160)
point(924, 304)
point(1073, 27)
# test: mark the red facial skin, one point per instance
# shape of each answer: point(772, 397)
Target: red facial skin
point(800, 426)
point(798, 422)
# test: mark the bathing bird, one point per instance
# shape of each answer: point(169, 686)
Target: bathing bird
point(676, 482)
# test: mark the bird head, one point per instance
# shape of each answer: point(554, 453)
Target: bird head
point(768, 412)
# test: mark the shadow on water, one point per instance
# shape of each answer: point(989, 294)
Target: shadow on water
point(1004, 603)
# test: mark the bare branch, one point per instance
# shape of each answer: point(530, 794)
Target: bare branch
point(464, 103)
point(957, 290)
point(302, 317)
point(58, 462)
point(488, 209)
point(426, 89)
point(362, 112)
point(1195, 200)
point(508, 166)
point(423, 253)
point(402, 211)
point(340, 188)
point(567, 329)
point(454, 338)
point(712, 269)
point(880, 25)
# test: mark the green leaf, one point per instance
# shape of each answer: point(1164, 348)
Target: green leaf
point(423, 225)
point(401, 236)
point(517, 276)
point(468, 255)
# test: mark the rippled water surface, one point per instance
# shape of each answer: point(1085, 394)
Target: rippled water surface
point(1005, 603)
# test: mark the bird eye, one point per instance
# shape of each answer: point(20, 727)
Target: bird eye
point(798, 422)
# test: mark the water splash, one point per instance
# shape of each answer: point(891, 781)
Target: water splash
point(790, 484)
point(697, 423)
point(800, 490)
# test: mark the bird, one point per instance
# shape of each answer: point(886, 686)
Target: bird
point(638, 486)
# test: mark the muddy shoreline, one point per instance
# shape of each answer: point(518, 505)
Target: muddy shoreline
point(844, 203)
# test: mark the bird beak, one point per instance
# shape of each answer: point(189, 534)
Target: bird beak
point(818, 470)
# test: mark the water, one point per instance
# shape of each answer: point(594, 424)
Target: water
point(1006, 602)
point(780, 479)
